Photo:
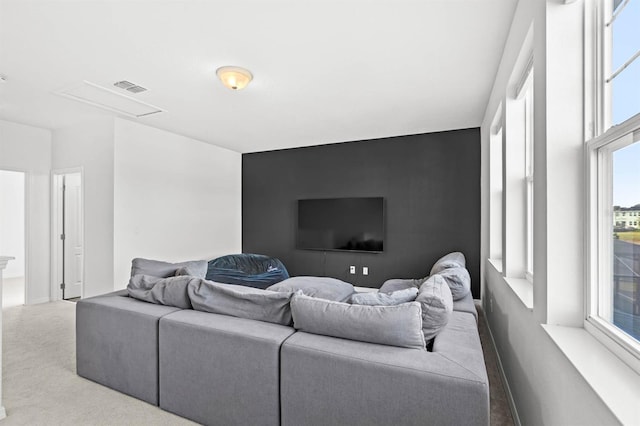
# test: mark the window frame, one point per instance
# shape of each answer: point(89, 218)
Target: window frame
point(600, 245)
point(496, 187)
point(529, 174)
point(602, 139)
point(524, 93)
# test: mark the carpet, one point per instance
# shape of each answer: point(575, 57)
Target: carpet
point(40, 385)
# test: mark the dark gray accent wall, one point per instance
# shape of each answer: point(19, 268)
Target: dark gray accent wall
point(431, 186)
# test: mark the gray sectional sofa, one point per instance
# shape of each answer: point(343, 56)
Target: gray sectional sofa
point(223, 370)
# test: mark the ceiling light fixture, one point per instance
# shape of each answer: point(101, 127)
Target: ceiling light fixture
point(235, 78)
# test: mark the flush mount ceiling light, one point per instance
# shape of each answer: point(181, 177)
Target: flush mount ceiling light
point(235, 78)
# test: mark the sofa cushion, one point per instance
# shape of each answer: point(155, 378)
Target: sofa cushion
point(240, 301)
point(188, 270)
point(399, 325)
point(451, 260)
point(158, 268)
point(396, 284)
point(385, 299)
point(221, 370)
point(322, 287)
point(343, 382)
point(467, 305)
point(171, 291)
point(437, 305)
point(117, 343)
point(458, 280)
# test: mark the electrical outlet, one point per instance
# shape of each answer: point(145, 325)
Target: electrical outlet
point(352, 269)
point(365, 270)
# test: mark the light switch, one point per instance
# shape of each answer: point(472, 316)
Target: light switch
point(365, 270)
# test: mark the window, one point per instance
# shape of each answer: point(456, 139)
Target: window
point(495, 183)
point(524, 107)
point(614, 182)
point(528, 155)
point(621, 52)
point(518, 168)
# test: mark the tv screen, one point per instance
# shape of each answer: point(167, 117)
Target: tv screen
point(351, 224)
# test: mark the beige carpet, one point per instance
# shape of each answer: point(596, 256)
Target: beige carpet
point(40, 385)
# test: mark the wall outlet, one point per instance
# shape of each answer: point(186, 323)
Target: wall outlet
point(365, 270)
point(352, 269)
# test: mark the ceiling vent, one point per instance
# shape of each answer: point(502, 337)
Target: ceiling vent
point(131, 87)
point(101, 97)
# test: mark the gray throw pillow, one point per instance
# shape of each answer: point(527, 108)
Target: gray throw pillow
point(437, 305)
point(458, 280)
point(240, 301)
point(171, 291)
point(399, 325)
point(322, 287)
point(190, 271)
point(158, 268)
point(396, 284)
point(385, 299)
point(451, 260)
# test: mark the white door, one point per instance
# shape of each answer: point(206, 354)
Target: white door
point(73, 238)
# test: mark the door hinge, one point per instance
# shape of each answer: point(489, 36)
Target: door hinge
point(62, 286)
point(62, 237)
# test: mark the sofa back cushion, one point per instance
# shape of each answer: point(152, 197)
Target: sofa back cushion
point(458, 280)
point(399, 325)
point(158, 268)
point(437, 305)
point(171, 291)
point(322, 287)
point(379, 298)
point(241, 301)
point(396, 284)
point(451, 260)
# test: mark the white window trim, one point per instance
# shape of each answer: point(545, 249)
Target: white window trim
point(524, 93)
point(496, 166)
point(529, 176)
point(599, 231)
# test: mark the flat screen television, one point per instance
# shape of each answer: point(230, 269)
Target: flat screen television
point(348, 224)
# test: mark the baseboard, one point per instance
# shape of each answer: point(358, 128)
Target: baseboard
point(507, 389)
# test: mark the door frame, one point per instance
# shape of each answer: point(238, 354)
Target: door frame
point(56, 252)
point(27, 224)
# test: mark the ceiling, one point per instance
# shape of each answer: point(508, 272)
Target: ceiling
point(325, 71)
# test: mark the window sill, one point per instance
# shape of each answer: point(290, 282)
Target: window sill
point(521, 287)
point(497, 264)
point(617, 385)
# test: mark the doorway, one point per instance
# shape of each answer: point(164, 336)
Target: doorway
point(68, 234)
point(13, 236)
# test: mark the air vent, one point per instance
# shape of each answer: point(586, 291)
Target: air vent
point(101, 97)
point(131, 87)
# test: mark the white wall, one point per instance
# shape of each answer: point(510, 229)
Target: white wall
point(12, 221)
point(28, 149)
point(90, 146)
point(175, 198)
point(546, 387)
